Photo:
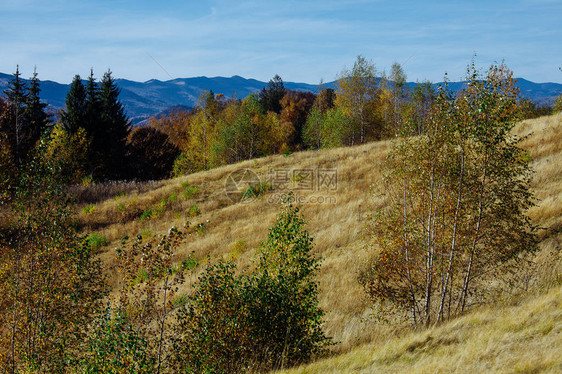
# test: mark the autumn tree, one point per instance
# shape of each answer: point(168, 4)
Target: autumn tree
point(457, 198)
point(398, 96)
point(316, 128)
point(246, 136)
point(325, 98)
point(70, 152)
point(356, 97)
point(49, 281)
point(313, 129)
point(150, 154)
point(203, 130)
point(419, 107)
point(176, 124)
point(295, 106)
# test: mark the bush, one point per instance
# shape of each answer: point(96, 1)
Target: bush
point(194, 210)
point(89, 209)
point(213, 333)
point(190, 191)
point(264, 320)
point(114, 346)
point(255, 191)
point(96, 241)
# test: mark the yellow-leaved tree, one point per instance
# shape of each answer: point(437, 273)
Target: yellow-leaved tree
point(457, 200)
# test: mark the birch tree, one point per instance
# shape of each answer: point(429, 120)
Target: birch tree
point(356, 97)
point(457, 196)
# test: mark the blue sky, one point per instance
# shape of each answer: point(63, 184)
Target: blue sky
point(302, 41)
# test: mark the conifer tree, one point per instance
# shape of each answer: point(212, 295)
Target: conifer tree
point(270, 96)
point(74, 116)
point(17, 96)
point(110, 136)
point(35, 117)
point(92, 104)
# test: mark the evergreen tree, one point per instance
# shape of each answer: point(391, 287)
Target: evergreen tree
point(75, 116)
point(270, 96)
point(92, 104)
point(110, 137)
point(35, 117)
point(17, 96)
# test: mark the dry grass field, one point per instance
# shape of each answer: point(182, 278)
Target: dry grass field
point(517, 334)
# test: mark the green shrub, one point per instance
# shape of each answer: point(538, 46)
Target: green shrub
point(114, 346)
point(267, 319)
point(147, 214)
point(194, 210)
point(200, 228)
point(182, 165)
point(256, 191)
point(120, 196)
point(190, 191)
point(146, 233)
point(89, 209)
point(96, 241)
point(189, 263)
point(211, 325)
point(172, 198)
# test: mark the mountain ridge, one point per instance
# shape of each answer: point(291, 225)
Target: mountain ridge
point(145, 99)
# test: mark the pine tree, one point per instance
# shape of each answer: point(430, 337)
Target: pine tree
point(92, 104)
point(75, 116)
point(270, 96)
point(35, 117)
point(110, 136)
point(17, 96)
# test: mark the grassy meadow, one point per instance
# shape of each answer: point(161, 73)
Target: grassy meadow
point(520, 332)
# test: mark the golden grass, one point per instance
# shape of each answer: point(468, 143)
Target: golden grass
point(340, 240)
point(522, 338)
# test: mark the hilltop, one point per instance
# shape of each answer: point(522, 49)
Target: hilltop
point(336, 215)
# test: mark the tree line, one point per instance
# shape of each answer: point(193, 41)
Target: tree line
point(94, 140)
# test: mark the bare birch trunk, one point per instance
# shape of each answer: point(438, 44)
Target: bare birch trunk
point(453, 245)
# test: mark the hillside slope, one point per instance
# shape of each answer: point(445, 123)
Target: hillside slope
point(521, 338)
point(336, 215)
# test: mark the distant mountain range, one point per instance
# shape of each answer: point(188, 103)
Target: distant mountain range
point(144, 99)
